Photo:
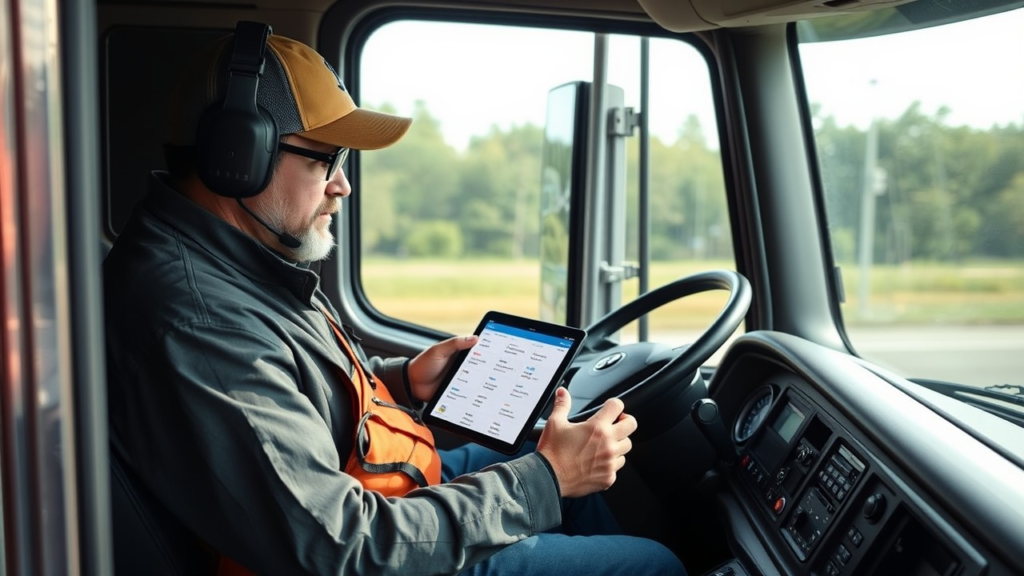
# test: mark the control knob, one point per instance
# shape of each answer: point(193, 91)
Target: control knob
point(874, 507)
point(780, 476)
point(803, 454)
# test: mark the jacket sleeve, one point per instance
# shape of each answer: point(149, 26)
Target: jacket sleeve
point(392, 372)
point(228, 441)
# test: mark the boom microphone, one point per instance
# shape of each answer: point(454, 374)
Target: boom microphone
point(282, 237)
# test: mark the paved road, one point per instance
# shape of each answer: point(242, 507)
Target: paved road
point(977, 355)
point(980, 355)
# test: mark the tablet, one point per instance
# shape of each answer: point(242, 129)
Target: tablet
point(495, 391)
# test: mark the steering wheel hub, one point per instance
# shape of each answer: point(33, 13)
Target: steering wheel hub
point(609, 361)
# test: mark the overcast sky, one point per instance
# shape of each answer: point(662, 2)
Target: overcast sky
point(974, 70)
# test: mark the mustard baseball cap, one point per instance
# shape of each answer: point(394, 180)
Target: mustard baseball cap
point(298, 88)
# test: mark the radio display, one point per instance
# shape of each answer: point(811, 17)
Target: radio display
point(788, 422)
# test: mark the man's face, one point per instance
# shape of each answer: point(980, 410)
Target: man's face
point(301, 202)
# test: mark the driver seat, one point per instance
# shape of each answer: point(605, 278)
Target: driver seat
point(148, 539)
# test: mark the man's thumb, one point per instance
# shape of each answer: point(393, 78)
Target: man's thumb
point(454, 345)
point(563, 401)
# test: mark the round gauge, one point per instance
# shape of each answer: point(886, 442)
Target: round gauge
point(753, 414)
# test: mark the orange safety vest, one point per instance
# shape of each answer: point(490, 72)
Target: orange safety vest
point(394, 451)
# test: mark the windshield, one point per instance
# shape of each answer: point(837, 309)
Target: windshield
point(920, 144)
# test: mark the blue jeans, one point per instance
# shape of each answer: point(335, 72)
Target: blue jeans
point(588, 543)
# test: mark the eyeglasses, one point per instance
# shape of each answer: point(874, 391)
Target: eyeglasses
point(333, 161)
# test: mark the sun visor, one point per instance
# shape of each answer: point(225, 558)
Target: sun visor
point(694, 15)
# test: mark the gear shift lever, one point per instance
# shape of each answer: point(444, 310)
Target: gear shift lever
point(709, 422)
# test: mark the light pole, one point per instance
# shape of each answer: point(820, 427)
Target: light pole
point(866, 244)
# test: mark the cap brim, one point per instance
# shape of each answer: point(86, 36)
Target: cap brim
point(361, 130)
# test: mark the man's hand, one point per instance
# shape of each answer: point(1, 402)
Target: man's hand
point(429, 366)
point(587, 455)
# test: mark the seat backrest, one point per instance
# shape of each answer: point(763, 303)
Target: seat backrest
point(140, 67)
point(147, 538)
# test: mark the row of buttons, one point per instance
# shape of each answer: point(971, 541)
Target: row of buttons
point(842, 556)
point(839, 559)
point(837, 478)
point(855, 536)
point(774, 495)
point(754, 470)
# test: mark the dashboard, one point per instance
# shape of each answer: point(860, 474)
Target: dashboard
point(838, 472)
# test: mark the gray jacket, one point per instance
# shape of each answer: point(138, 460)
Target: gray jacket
point(221, 394)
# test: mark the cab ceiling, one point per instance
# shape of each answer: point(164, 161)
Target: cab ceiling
point(673, 15)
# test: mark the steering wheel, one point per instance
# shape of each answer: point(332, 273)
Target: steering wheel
point(645, 372)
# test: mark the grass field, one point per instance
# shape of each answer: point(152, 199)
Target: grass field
point(927, 293)
point(453, 295)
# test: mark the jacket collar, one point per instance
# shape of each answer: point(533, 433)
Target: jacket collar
point(226, 242)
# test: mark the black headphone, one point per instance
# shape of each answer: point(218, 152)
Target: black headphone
point(237, 139)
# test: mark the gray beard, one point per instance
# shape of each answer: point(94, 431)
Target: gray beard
point(314, 245)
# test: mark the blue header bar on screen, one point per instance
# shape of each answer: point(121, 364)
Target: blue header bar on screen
point(519, 332)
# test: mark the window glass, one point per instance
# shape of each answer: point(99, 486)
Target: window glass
point(920, 139)
point(689, 229)
point(451, 215)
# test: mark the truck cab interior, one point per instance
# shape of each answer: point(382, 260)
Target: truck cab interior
point(794, 231)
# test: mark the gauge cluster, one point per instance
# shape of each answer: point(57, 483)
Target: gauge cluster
point(753, 414)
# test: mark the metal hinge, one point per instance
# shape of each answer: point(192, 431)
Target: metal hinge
point(622, 121)
point(611, 273)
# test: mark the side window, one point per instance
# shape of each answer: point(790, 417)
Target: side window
point(450, 217)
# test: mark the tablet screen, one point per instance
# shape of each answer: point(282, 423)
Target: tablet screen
point(497, 388)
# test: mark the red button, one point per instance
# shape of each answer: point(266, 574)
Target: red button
point(780, 504)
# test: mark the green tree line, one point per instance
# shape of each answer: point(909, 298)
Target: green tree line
point(425, 198)
point(944, 193)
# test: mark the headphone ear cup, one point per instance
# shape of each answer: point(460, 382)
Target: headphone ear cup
point(235, 150)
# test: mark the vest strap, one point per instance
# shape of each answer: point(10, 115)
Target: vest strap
point(387, 468)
